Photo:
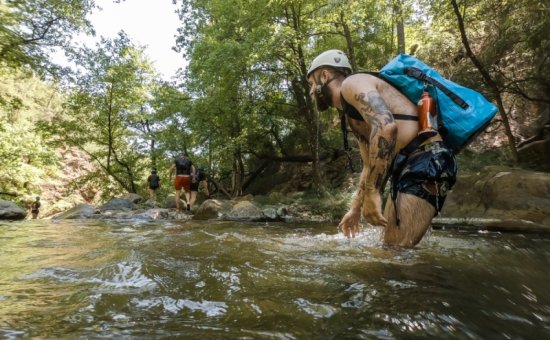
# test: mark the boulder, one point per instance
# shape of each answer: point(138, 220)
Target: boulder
point(170, 202)
point(270, 214)
point(134, 198)
point(150, 203)
point(501, 193)
point(78, 212)
point(211, 208)
point(245, 210)
point(275, 213)
point(10, 211)
point(118, 204)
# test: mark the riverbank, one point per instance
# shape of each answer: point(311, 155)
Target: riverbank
point(500, 198)
point(496, 198)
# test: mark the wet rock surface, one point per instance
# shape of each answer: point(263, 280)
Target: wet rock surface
point(10, 211)
point(500, 198)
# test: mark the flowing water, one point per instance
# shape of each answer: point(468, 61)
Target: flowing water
point(224, 280)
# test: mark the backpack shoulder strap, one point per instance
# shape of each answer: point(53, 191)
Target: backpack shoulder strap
point(349, 110)
point(418, 74)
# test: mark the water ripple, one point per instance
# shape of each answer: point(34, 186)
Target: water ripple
point(58, 274)
point(126, 275)
point(315, 309)
point(209, 308)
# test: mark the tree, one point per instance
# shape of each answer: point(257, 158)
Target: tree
point(161, 123)
point(487, 77)
point(112, 87)
point(30, 30)
point(232, 59)
point(27, 160)
point(502, 55)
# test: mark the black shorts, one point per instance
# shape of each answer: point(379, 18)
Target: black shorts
point(195, 186)
point(430, 163)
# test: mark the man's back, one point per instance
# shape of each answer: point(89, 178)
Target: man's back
point(183, 166)
point(355, 90)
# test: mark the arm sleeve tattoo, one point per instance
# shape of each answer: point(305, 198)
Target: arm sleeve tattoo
point(381, 142)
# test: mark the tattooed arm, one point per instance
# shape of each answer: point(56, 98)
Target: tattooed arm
point(350, 222)
point(378, 142)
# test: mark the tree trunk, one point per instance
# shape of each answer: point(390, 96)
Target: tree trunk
point(488, 80)
point(305, 104)
point(237, 175)
point(255, 174)
point(111, 152)
point(349, 41)
point(400, 26)
point(153, 153)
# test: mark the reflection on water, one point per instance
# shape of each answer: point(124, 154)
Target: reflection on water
point(266, 281)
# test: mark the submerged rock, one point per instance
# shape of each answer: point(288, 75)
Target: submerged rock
point(78, 212)
point(134, 198)
point(156, 214)
point(118, 204)
point(492, 224)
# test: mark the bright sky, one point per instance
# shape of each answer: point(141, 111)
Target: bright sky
point(151, 23)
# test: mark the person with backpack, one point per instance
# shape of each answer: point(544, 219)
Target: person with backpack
point(185, 171)
point(153, 183)
point(35, 208)
point(200, 176)
point(385, 122)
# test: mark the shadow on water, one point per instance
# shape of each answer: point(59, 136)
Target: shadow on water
point(266, 281)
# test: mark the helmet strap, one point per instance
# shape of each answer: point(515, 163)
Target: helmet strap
point(323, 96)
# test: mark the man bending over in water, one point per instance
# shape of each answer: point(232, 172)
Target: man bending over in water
point(384, 122)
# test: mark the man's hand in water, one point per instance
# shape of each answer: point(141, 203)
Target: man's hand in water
point(350, 222)
point(372, 208)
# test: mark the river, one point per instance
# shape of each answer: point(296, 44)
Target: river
point(224, 280)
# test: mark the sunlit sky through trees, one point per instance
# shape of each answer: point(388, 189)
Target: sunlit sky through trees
point(148, 23)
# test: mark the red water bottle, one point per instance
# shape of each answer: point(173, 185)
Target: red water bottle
point(427, 116)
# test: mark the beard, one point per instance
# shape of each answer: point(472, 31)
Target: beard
point(323, 98)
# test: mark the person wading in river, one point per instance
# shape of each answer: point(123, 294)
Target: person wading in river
point(384, 122)
point(35, 208)
point(185, 170)
point(153, 183)
point(200, 176)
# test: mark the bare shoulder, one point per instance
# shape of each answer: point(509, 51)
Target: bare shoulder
point(359, 84)
point(360, 80)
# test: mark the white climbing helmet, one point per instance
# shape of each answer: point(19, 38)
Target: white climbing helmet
point(335, 58)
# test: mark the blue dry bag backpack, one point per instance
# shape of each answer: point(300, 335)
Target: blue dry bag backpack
point(462, 112)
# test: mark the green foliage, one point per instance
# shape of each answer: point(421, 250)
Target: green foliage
point(27, 161)
point(108, 99)
point(30, 30)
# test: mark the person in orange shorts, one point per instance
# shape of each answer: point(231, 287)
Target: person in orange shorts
point(185, 170)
